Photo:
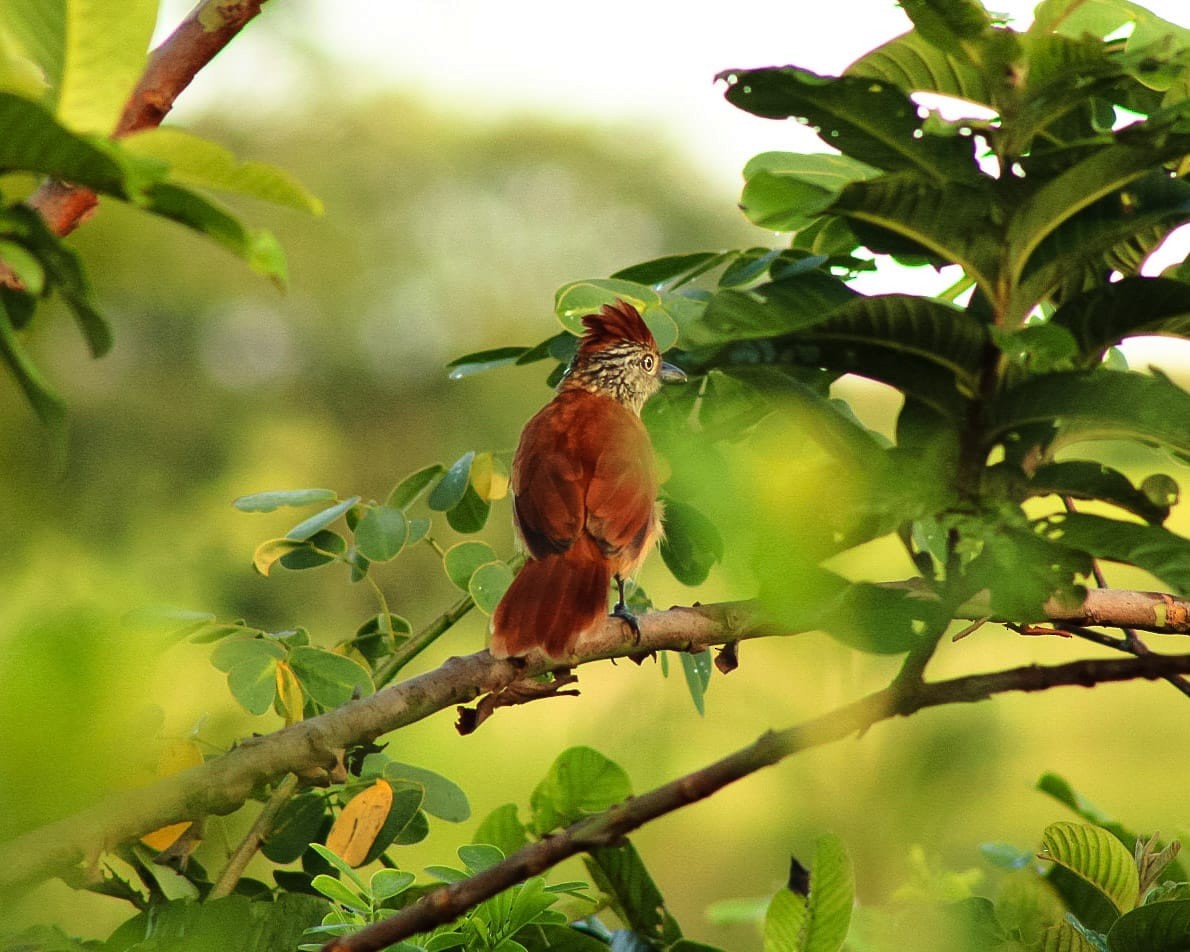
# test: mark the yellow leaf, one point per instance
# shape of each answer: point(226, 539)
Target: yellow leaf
point(489, 477)
point(175, 756)
point(289, 694)
point(360, 823)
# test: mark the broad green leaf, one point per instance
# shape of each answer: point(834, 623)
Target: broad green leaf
point(581, 781)
point(1156, 550)
point(488, 584)
point(573, 301)
point(778, 307)
point(1083, 479)
point(462, 559)
point(451, 488)
point(257, 247)
point(832, 894)
point(785, 922)
point(691, 543)
point(105, 50)
point(196, 161)
point(1157, 927)
point(870, 121)
point(232, 651)
point(697, 670)
point(671, 270)
point(269, 501)
point(485, 360)
point(1096, 405)
point(42, 397)
point(951, 24)
point(232, 924)
point(386, 883)
point(913, 64)
point(253, 682)
point(328, 678)
point(909, 213)
point(785, 191)
point(1097, 857)
point(1131, 307)
point(412, 486)
point(307, 528)
point(443, 798)
point(380, 534)
point(621, 874)
point(503, 829)
point(38, 28)
point(477, 857)
point(470, 514)
point(298, 824)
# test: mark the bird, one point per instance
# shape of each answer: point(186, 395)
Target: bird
point(584, 486)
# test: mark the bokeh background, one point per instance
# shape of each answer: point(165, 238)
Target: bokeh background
point(472, 158)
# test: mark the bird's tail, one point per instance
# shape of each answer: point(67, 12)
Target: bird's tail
point(552, 603)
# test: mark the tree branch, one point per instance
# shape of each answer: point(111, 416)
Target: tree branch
point(210, 26)
point(309, 748)
point(447, 903)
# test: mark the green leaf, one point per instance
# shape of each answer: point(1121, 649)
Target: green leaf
point(913, 64)
point(1129, 307)
point(471, 512)
point(462, 559)
point(412, 486)
point(868, 120)
point(1152, 548)
point(336, 891)
point(320, 549)
point(691, 543)
point(196, 161)
point(832, 895)
point(785, 191)
point(1158, 927)
point(269, 501)
point(503, 829)
point(104, 55)
point(38, 28)
point(451, 488)
point(485, 360)
point(1083, 479)
point(620, 873)
point(232, 924)
point(1096, 405)
point(488, 584)
point(25, 266)
point(299, 823)
point(581, 781)
point(697, 669)
point(443, 798)
point(41, 396)
point(308, 528)
point(670, 269)
point(329, 679)
point(778, 307)
point(405, 821)
point(477, 857)
point(380, 534)
point(1097, 857)
point(785, 921)
point(257, 247)
point(233, 651)
point(386, 883)
point(253, 682)
point(574, 300)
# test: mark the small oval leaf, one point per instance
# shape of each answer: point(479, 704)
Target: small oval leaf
point(270, 501)
point(449, 492)
point(488, 585)
point(462, 559)
point(381, 533)
point(320, 520)
point(413, 485)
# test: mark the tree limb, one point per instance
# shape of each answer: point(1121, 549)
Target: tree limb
point(224, 784)
point(447, 903)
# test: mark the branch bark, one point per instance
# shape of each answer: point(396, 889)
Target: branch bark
point(447, 903)
point(224, 784)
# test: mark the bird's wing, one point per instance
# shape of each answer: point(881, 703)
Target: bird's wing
point(622, 492)
point(549, 477)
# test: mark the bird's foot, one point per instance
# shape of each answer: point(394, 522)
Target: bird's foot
point(621, 612)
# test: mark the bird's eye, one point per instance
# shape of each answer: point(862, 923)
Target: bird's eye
point(649, 362)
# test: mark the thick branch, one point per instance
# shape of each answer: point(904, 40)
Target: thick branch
point(210, 26)
point(222, 785)
point(605, 829)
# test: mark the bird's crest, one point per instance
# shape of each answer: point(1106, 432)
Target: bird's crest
point(615, 323)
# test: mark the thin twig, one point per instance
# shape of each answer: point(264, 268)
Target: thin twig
point(260, 829)
point(445, 904)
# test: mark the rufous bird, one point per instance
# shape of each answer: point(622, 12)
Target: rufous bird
point(584, 486)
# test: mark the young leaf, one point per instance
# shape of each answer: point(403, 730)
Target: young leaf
point(386, 883)
point(832, 895)
point(1097, 857)
point(380, 534)
point(785, 922)
point(274, 499)
point(328, 678)
point(413, 485)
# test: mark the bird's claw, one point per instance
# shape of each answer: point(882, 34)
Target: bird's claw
point(621, 612)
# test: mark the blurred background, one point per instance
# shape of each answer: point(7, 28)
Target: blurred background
point(473, 158)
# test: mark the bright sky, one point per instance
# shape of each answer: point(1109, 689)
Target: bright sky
point(640, 63)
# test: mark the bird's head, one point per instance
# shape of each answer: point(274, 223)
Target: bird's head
point(618, 356)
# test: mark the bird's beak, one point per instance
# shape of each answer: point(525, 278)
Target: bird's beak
point(671, 374)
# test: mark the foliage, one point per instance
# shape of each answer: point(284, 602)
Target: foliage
point(1045, 213)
